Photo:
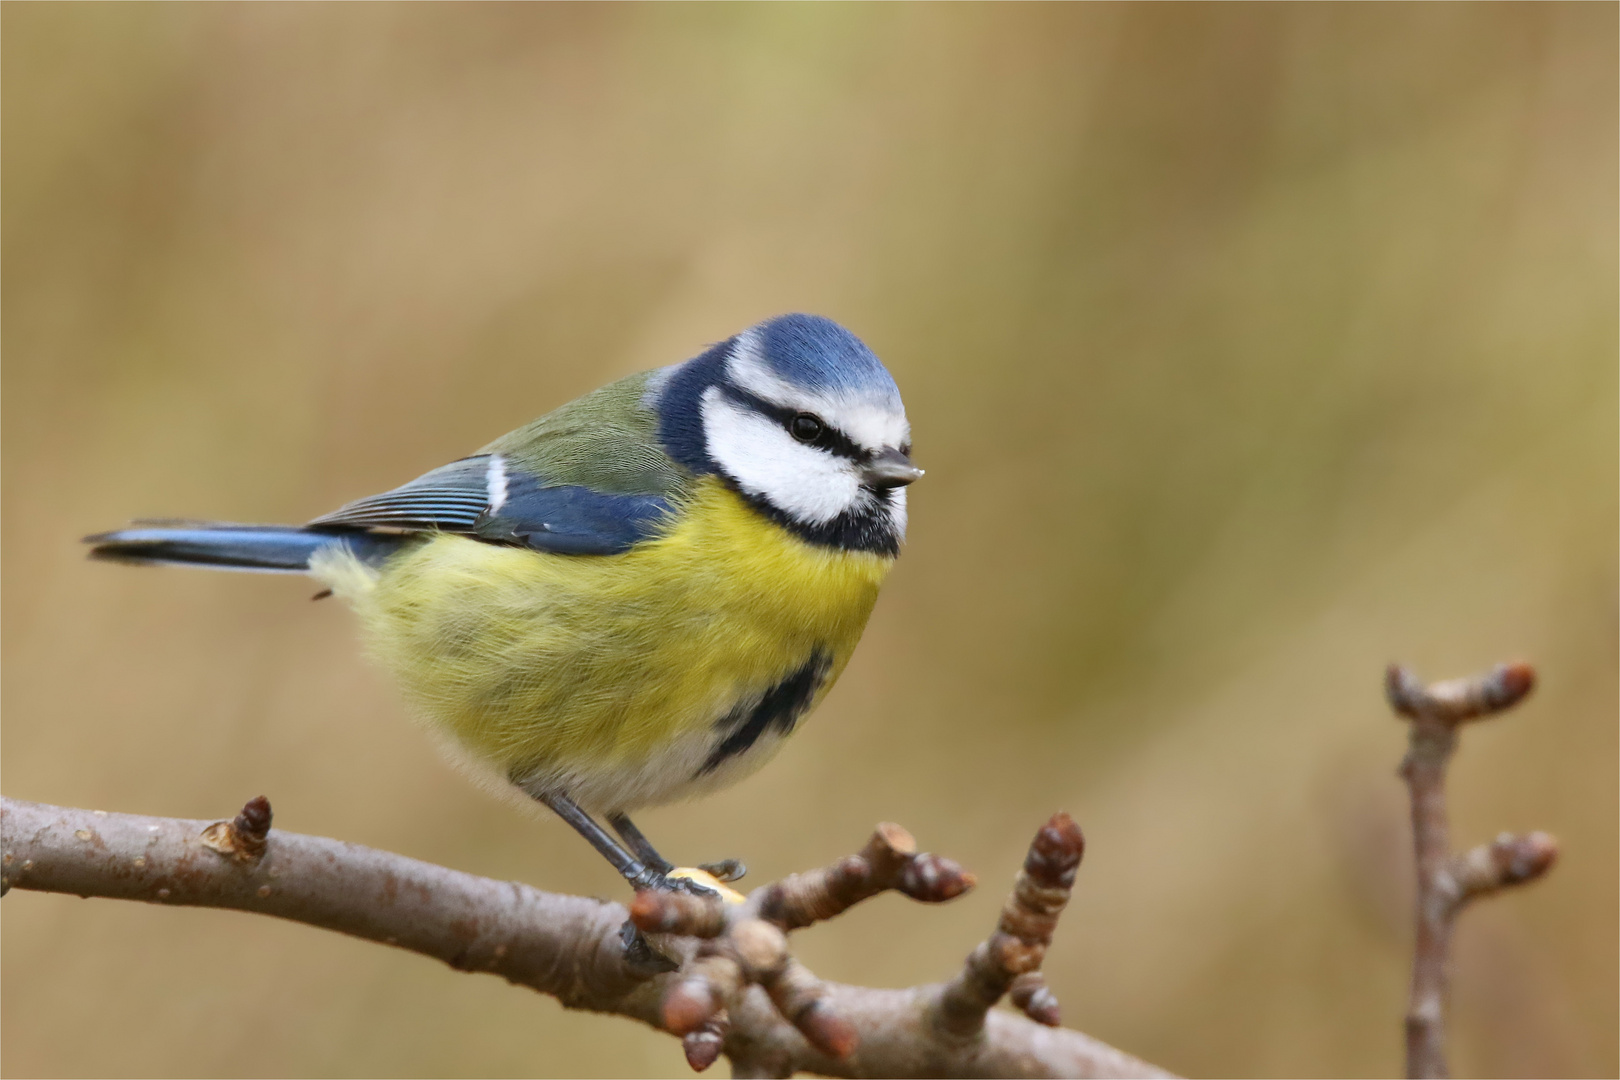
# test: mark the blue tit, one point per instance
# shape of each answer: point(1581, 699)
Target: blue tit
point(635, 598)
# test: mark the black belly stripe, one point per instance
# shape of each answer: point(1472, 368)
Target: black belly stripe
point(779, 709)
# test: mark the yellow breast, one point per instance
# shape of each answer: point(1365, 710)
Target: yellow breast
point(612, 671)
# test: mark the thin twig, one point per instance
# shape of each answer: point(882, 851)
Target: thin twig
point(777, 1018)
point(888, 861)
point(1015, 951)
point(1445, 882)
point(744, 951)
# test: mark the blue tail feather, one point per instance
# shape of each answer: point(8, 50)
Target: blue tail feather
point(271, 548)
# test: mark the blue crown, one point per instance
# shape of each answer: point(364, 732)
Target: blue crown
point(818, 354)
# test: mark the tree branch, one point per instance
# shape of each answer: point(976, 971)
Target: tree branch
point(718, 975)
point(1446, 882)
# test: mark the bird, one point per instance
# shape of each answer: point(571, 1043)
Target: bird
point(637, 597)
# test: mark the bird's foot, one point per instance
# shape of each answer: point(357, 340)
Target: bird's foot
point(695, 880)
point(692, 880)
point(702, 879)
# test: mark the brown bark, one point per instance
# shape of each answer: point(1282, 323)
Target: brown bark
point(718, 975)
point(1446, 882)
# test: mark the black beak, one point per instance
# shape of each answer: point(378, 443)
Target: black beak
point(889, 468)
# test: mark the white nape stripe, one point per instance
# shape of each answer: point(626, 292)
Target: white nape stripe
point(495, 481)
point(871, 424)
point(809, 484)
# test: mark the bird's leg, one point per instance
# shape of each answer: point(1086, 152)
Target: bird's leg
point(641, 872)
point(636, 872)
point(725, 871)
point(638, 843)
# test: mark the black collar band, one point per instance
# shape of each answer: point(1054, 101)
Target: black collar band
point(866, 528)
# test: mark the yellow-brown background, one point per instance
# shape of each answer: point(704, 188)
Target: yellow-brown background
point(1247, 348)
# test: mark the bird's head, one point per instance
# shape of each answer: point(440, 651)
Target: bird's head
point(804, 421)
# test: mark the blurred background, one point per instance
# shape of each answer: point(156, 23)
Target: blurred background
point(1248, 348)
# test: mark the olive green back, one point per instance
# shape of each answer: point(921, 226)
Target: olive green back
point(606, 441)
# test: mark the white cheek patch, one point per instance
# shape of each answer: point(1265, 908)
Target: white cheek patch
point(809, 484)
point(870, 424)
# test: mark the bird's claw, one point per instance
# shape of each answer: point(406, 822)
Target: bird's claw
point(726, 870)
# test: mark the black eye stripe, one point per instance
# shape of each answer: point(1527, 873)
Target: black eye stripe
point(830, 438)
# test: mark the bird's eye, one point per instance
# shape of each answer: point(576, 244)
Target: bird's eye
point(805, 428)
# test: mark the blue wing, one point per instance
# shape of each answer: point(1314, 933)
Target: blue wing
point(448, 499)
point(483, 498)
